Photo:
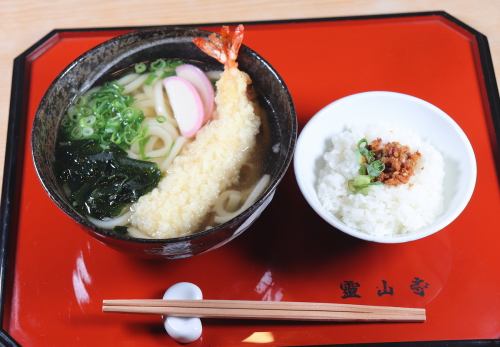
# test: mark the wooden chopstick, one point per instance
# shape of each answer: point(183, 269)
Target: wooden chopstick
point(269, 305)
point(266, 314)
point(242, 309)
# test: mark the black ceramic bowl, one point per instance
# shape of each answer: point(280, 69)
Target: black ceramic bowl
point(168, 42)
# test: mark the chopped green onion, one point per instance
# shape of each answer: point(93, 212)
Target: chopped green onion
point(364, 151)
point(87, 132)
point(361, 180)
point(76, 133)
point(105, 115)
point(129, 137)
point(73, 116)
point(368, 171)
point(162, 68)
point(87, 121)
point(360, 184)
point(140, 68)
point(161, 119)
point(158, 64)
point(375, 168)
point(362, 143)
point(167, 73)
point(362, 170)
point(116, 138)
point(84, 111)
point(151, 78)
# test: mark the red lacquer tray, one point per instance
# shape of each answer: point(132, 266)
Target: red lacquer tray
point(54, 275)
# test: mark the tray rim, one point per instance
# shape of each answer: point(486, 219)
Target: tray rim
point(17, 124)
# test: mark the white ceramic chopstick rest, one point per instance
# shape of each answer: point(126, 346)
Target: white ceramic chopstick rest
point(183, 330)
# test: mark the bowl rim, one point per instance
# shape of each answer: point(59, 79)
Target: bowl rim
point(239, 219)
point(428, 230)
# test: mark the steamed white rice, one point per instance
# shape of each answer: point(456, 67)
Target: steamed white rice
point(385, 210)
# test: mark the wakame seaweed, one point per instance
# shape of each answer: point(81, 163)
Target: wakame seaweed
point(102, 182)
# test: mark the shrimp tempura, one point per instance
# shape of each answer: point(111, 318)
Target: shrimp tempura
point(212, 162)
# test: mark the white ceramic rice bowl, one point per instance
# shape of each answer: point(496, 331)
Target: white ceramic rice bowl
point(401, 111)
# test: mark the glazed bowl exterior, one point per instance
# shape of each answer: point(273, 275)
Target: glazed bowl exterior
point(94, 67)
